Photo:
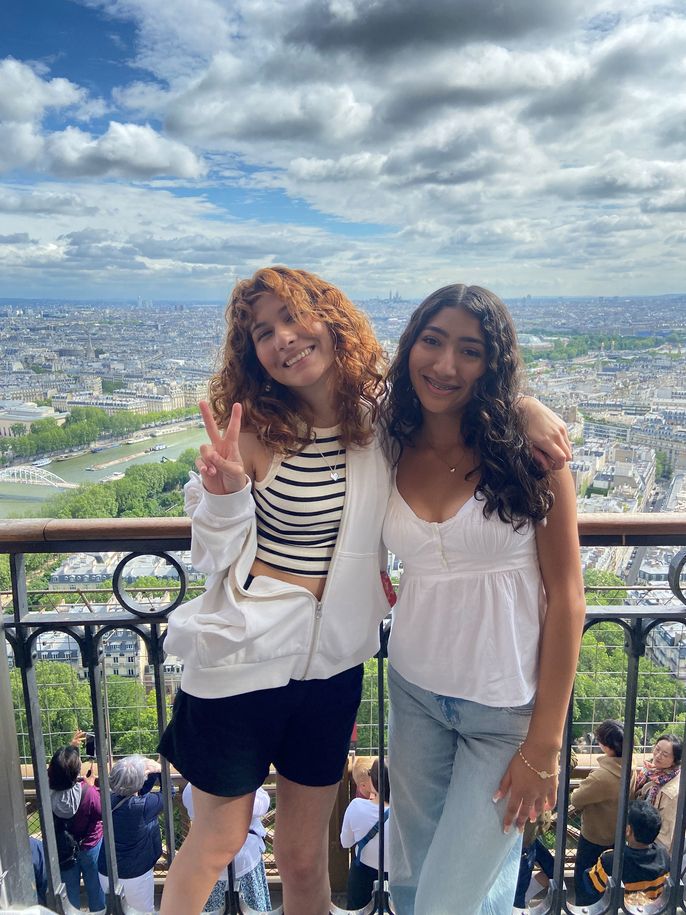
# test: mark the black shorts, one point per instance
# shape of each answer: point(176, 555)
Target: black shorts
point(226, 746)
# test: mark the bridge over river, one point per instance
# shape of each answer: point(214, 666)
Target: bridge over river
point(27, 473)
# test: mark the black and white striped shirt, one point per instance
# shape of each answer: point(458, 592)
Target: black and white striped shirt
point(299, 504)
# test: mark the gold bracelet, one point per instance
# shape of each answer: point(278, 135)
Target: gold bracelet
point(541, 773)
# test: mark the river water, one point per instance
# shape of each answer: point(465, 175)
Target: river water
point(20, 500)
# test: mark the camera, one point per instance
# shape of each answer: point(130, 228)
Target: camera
point(90, 745)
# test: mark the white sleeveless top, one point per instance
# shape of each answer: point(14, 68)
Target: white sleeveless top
point(470, 607)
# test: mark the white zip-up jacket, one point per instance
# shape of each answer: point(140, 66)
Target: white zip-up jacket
point(232, 641)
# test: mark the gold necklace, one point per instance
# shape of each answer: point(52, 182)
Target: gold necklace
point(451, 467)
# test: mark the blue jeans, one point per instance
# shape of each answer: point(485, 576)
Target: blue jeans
point(448, 852)
point(86, 866)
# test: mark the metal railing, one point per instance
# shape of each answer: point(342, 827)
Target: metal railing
point(24, 627)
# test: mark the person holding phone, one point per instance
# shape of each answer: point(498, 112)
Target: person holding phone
point(286, 512)
point(77, 813)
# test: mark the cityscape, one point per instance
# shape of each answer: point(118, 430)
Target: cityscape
point(613, 368)
point(154, 153)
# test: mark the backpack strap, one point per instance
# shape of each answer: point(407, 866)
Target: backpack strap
point(120, 804)
point(365, 840)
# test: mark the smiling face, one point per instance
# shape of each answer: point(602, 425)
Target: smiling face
point(663, 755)
point(294, 355)
point(446, 360)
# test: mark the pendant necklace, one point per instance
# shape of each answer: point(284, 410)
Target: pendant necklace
point(333, 473)
point(451, 467)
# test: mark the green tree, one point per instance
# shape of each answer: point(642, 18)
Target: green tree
point(5, 577)
point(64, 702)
point(663, 466)
point(368, 713)
point(598, 578)
point(132, 716)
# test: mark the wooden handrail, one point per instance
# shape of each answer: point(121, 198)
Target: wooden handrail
point(619, 528)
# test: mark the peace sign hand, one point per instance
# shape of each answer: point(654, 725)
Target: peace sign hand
point(220, 463)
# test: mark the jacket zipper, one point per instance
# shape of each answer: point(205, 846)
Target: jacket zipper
point(319, 604)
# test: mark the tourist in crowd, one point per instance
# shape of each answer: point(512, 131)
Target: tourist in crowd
point(360, 829)
point(137, 838)
point(248, 866)
point(39, 872)
point(597, 797)
point(487, 627)
point(646, 862)
point(658, 782)
point(361, 769)
point(286, 518)
point(77, 813)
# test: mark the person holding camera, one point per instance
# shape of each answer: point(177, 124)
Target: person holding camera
point(137, 837)
point(77, 815)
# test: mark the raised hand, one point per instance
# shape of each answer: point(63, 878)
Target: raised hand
point(220, 464)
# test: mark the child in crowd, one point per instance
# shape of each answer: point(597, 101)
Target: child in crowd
point(361, 777)
point(646, 862)
point(361, 829)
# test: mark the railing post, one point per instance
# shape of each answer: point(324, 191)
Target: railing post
point(24, 658)
point(634, 647)
point(93, 658)
point(382, 899)
point(557, 893)
point(17, 886)
point(156, 659)
point(676, 569)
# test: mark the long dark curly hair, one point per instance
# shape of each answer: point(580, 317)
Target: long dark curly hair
point(509, 481)
point(271, 409)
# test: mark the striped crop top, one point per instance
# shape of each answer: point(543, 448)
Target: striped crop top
point(299, 504)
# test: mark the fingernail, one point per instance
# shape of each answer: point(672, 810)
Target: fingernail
point(496, 797)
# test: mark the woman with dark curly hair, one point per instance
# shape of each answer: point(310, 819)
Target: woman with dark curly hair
point(488, 623)
point(286, 521)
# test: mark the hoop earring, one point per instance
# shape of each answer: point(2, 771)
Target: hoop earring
point(267, 387)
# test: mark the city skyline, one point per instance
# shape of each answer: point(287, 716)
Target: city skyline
point(535, 149)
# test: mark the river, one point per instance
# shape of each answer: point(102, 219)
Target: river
point(23, 500)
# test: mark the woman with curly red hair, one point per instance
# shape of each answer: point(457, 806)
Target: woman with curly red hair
point(286, 522)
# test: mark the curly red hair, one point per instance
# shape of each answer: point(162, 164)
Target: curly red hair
point(271, 409)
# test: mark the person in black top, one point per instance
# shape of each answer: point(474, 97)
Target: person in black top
point(646, 863)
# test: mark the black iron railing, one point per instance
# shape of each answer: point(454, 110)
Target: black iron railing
point(23, 628)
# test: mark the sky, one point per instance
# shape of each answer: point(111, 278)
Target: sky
point(165, 148)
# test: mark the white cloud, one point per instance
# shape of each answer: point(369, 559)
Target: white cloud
point(535, 139)
point(24, 96)
point(126, 150)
